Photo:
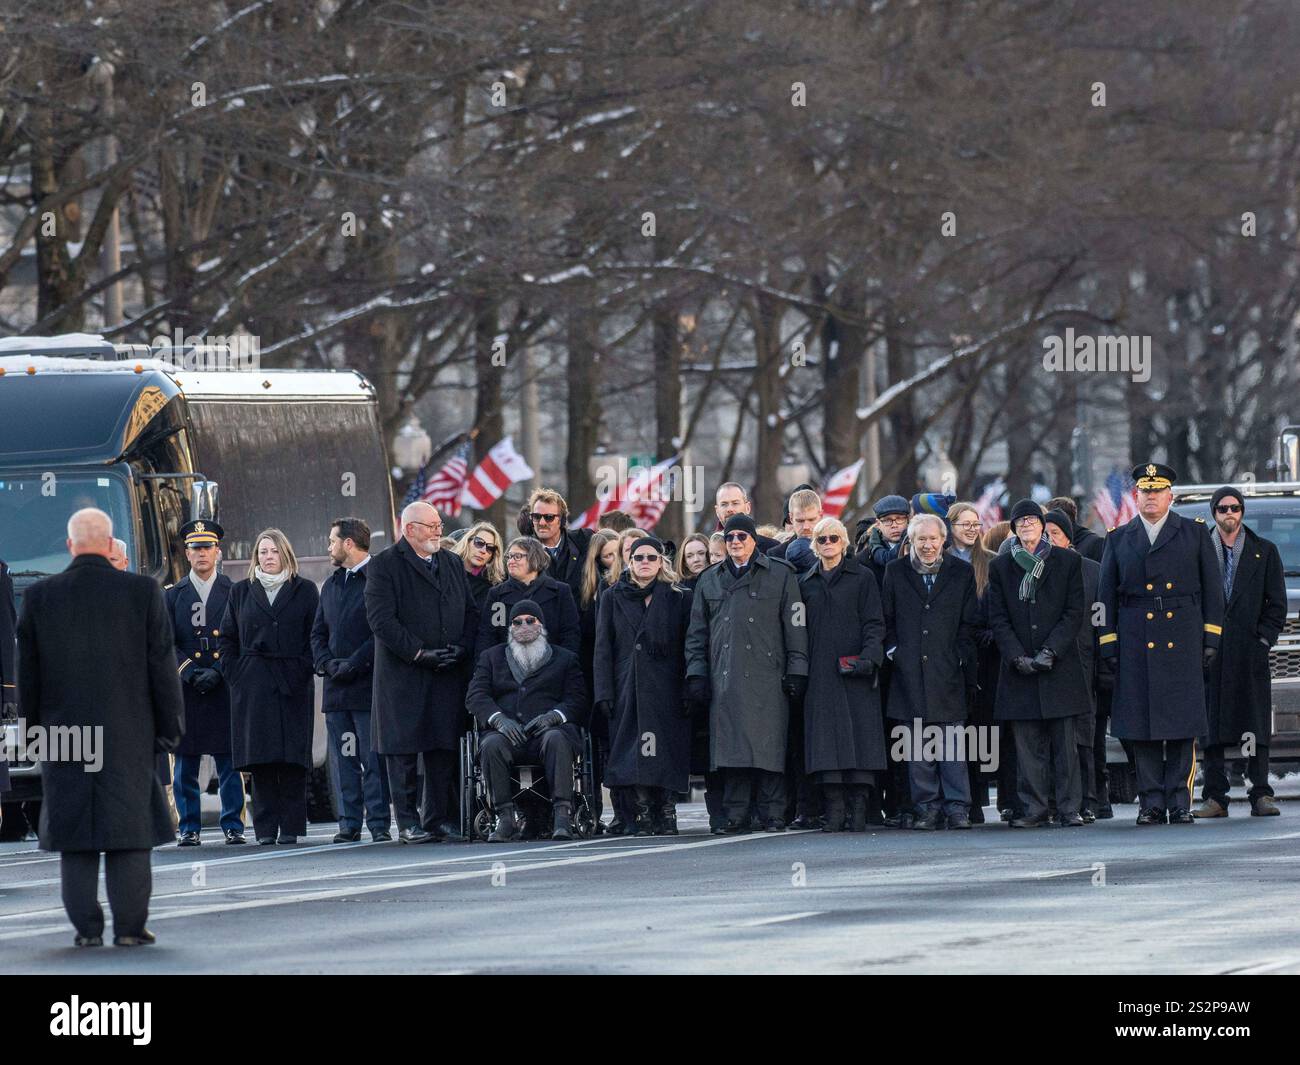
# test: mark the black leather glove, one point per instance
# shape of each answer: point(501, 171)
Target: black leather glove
point(542, 722)
point(794, 687)
point(205, 680)
point(454, 653)
point(1208, 655)
point(429, 658)
point(1106, 674)
point(699, 691)
point(1044, 660)
point(511, 730)
point(864, 667)
point(1024, 665)
point(341, 671)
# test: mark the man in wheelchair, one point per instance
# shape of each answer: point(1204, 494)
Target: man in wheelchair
point(528, 698)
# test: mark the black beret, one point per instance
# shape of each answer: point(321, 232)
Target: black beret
point(525, 606)
point(741, 523)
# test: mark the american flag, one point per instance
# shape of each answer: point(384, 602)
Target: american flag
point(1114, 503)
point(989, 505)
point(443, 489)
point(644, 495)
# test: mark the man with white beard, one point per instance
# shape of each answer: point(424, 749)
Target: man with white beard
point(528, 697)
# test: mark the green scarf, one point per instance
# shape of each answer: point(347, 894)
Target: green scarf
point(1033, 566)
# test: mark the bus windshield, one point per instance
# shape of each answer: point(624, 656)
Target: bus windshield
point(34, 513)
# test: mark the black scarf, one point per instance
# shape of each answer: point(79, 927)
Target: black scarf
point(655, 620)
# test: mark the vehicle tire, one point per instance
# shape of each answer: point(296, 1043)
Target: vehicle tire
point(320, 795)
point(1123, 783)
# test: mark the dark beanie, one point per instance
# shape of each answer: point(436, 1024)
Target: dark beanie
point(648, 541)
point(526, 606)
point(891, 505)
point(741, 523)
point(1062, 520)
point(936, 503)
point(1223, 493)
point(1026, 508)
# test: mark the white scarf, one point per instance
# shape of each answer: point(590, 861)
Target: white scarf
point(204, 588)
point(271, 582)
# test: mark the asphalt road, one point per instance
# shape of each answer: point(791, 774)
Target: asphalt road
point(1218, 897)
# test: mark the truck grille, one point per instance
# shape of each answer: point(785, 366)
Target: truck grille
point(1284, 658)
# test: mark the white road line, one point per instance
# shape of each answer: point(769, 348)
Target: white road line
point(477, 854)
point(776, 920)
point(1064, 872)
point(392, 885)
point(1262, 967)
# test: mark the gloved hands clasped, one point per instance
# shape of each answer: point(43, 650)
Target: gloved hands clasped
point(204, 680)
point(542, 722)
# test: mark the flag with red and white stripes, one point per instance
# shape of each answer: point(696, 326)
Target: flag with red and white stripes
point(839, 486)
point(443, 489)
point(644, 494)
point(989, 504)
point(501, 467)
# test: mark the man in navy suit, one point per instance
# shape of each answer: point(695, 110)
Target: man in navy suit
point(196, 606)
point(343, 648)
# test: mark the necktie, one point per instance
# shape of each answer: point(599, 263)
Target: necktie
point(929, 581)
point(1229, 557)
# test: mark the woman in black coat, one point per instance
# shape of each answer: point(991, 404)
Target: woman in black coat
point(1036, 620)
point(844, 745)
point(640, 674)
point(480, 549)
point(267, 662)
point(602, 556)
point(526, 563)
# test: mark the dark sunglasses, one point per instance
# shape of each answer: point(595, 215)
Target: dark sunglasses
point(483, 545)
point(833, 538)
point(736, 537)
point(1228, 508)
point(544, 517)
point(645, 558)
point(523, 620)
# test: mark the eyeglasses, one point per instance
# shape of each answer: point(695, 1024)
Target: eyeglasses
point(434, 526)
point(523, 620)
point(516, 556)
point(1228, 508)
point(833, 538)
point(736, 537)
point(543, 517)
point(483, 545)
point(893, 519)
point(968, 525)
point(645, 558)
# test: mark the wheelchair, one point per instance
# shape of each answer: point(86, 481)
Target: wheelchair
point(530, 797)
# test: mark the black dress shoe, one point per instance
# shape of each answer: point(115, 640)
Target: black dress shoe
point(449, 832)
point(347, 837)
point(927, 821)
point(88, 941)
point(233, 835)
point(1070, 820)
point(415, 835)
point(737, 828)
point(773, 824)
point(382, 836)
point(1088, 815)
point(717, 830)
point(1104, 811)
point(891, 821)
point(1007, 815)
point(959, 820)
point(1151, 817)
point(1181, 817)
point(266, 841)
point(141, 939)
point(906, 819)
point(189, 839)
point(288, 841)
point(1042, 821)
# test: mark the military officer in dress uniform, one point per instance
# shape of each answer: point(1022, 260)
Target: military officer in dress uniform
point(196, 606)
point(1162, 598)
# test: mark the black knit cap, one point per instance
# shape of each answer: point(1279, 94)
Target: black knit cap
point(648, 541)
point(1221, 494)
point(1026, 508)
point(1062, 520)
point(526, 606)
point(741, 523)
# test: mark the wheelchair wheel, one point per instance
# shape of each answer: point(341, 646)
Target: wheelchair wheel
point(583, 823)
point(483, 825)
